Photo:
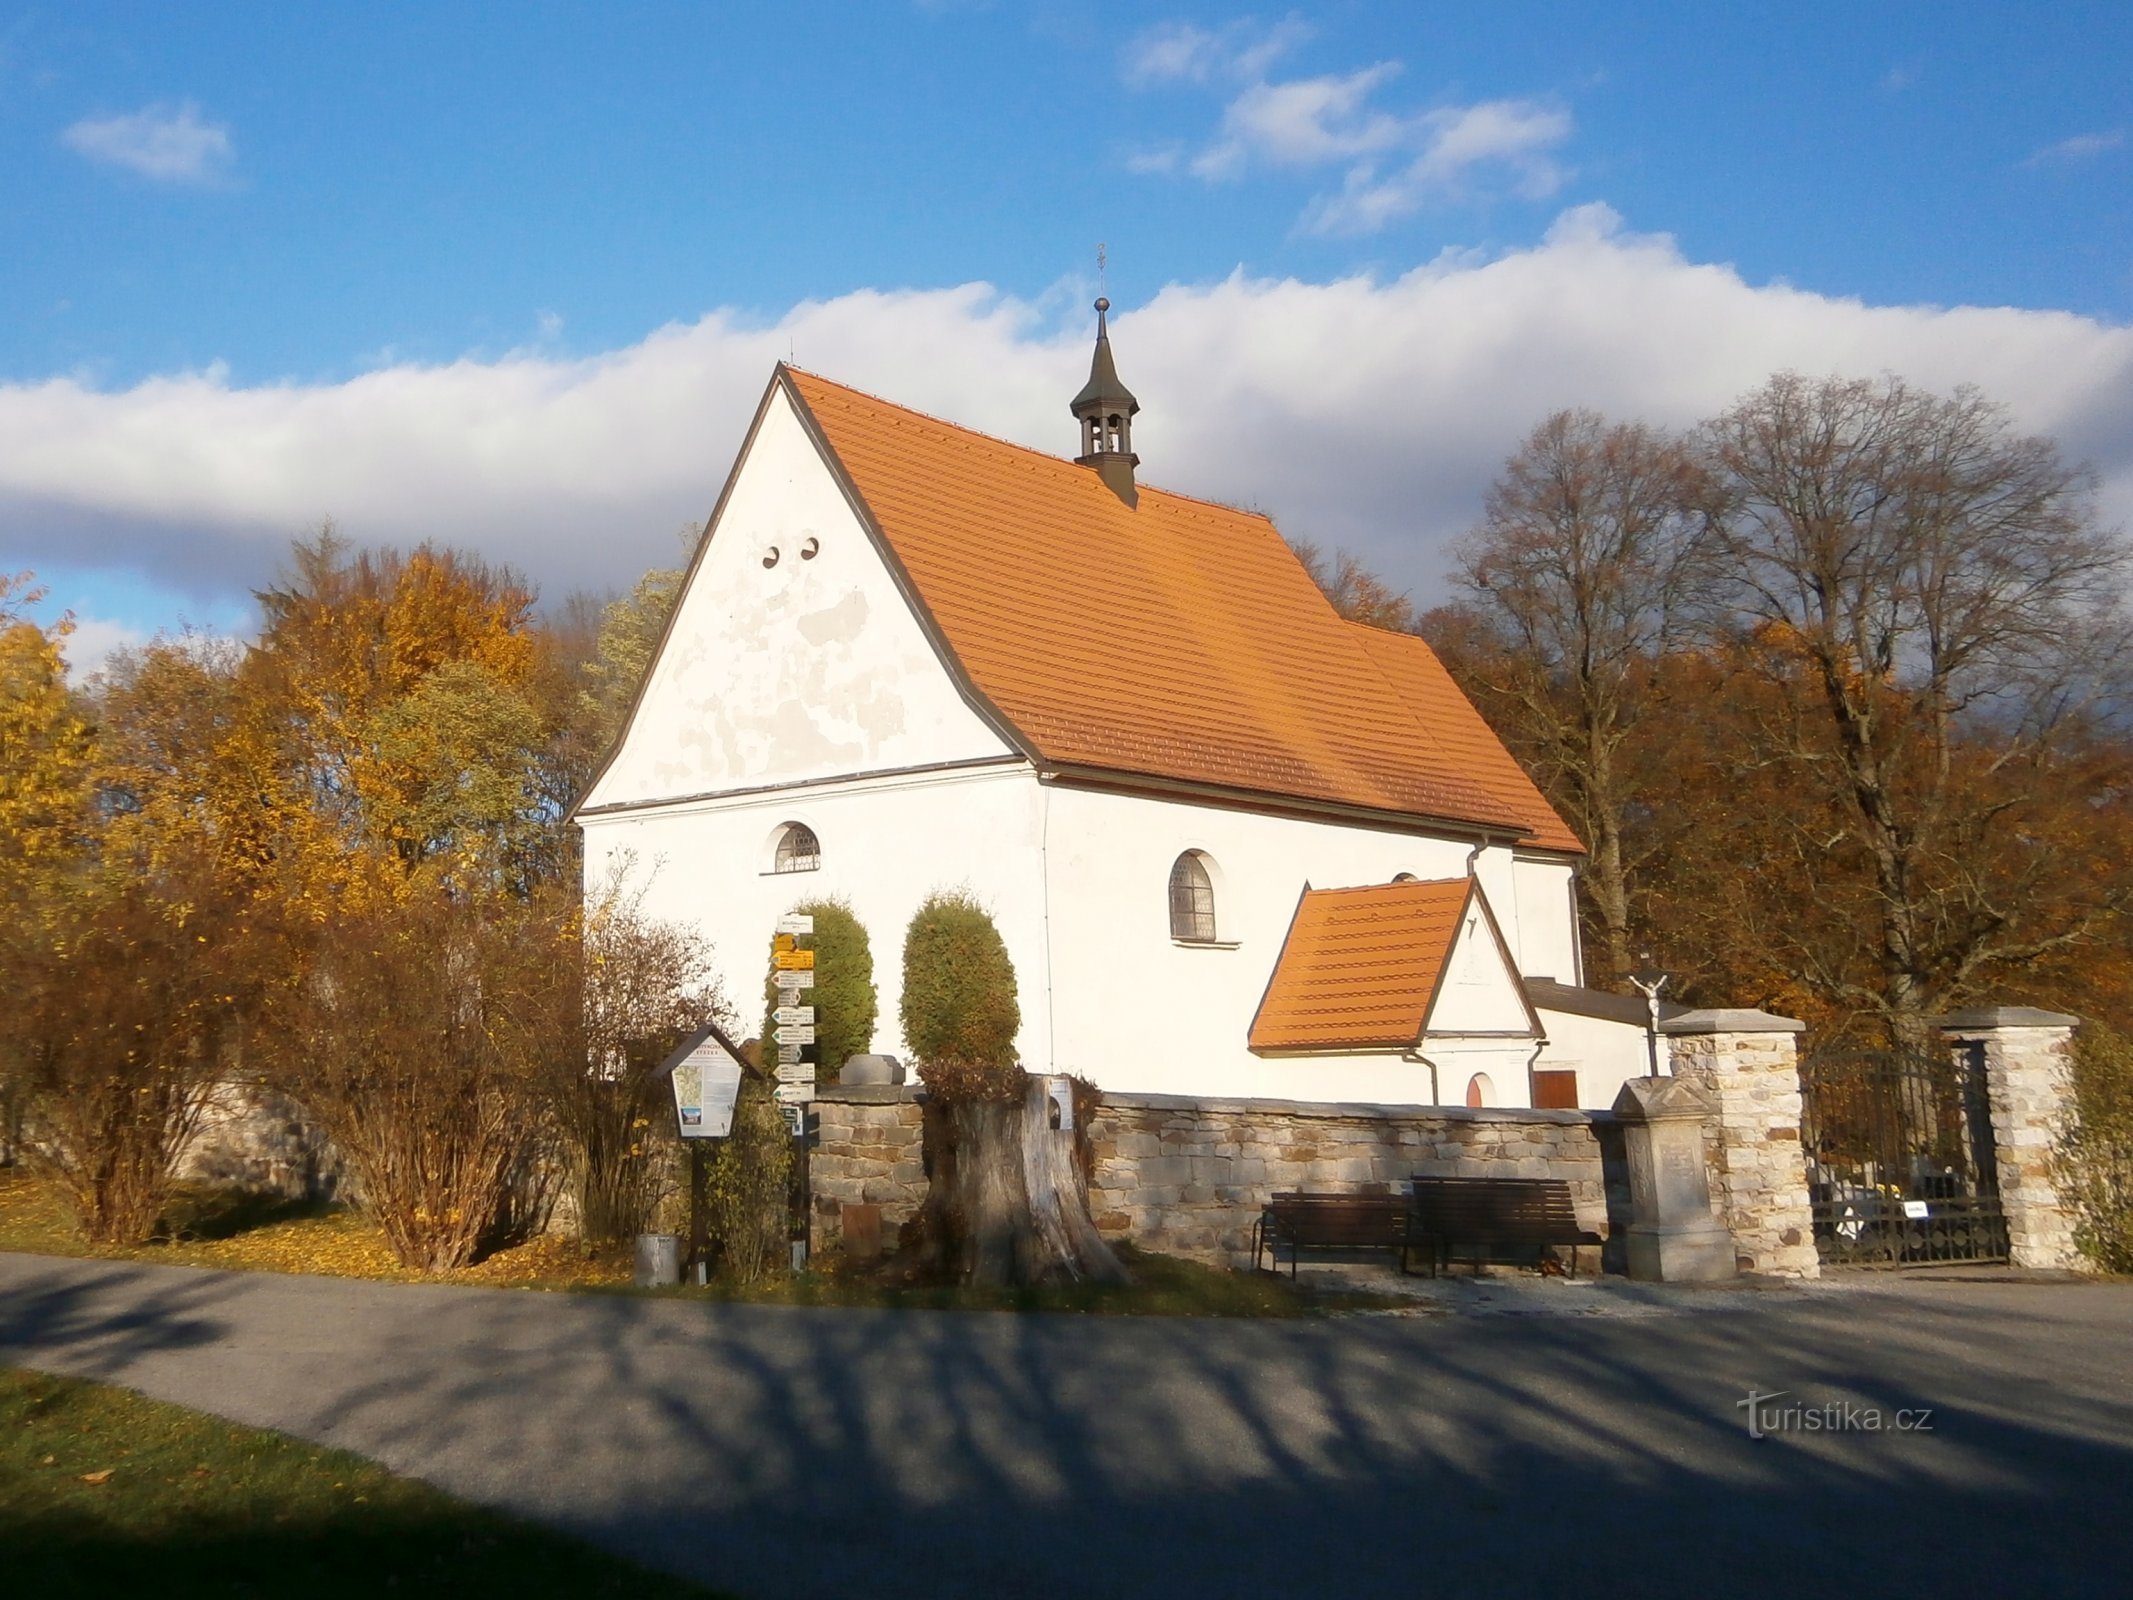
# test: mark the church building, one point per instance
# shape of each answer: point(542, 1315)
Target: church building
point(1237, 845)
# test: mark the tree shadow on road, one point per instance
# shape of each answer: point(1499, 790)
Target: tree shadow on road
point(793, 1451)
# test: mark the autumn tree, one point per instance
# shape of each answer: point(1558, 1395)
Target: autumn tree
point(398, 723)
point(46, 746)
point(1353, 590)
point(629, 634)
point(46, 752)
point(1934, 609)
point(1573, 587)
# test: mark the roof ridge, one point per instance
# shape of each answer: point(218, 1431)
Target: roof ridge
point(943, 423)
point(1397, 883)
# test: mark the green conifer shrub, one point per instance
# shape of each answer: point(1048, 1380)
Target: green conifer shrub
point(960, 1012)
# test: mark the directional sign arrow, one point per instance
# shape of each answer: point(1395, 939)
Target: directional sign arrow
point(793, 960)
point(801, 1014)
point(793, 1035)
point(796, 922)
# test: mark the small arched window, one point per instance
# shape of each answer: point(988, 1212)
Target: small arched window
point(798, 849)
point(1192, 900)
point(1405, 877)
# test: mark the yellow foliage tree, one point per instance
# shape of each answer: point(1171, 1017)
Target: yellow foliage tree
point(46, 746)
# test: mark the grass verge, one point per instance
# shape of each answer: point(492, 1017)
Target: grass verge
point(223, 1228)
point(103, 1492)
point(1163, 1286)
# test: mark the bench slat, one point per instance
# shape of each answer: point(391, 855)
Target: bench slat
point(1489, 1216)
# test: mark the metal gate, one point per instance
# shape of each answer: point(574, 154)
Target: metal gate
point(1899, 1157)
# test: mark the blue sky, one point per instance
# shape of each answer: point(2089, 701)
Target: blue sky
point(263, 263)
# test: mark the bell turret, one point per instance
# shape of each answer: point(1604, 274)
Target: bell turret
point(1105, 408)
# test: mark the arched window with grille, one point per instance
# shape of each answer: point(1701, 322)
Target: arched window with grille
point(1192, 900)
point(798, 849)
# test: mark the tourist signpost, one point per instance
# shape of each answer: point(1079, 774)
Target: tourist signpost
point(792, 1030)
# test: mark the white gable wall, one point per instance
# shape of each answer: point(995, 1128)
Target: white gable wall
point(1479, 994)
point(809, 669)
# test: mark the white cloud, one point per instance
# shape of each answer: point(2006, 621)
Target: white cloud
point(2081, 147)
point(94, 641)
point(170, 144)
point(1512, 136)
point(1366, 412)
point(1183, 52)
point(1305, 122)
point(1397, 161)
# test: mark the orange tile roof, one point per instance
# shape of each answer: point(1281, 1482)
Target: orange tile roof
point(1177, 640)
point(1419, 678)
point(1360, 967)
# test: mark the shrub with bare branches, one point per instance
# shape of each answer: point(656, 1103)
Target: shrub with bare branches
point(121, 1002)
point(415, 1040)
point(626, 989)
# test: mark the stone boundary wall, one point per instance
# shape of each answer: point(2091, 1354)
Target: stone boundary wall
point(1190, 1177)
point(257, 1139)
point(868, 1152)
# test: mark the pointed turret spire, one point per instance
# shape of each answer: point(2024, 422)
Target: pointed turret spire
point(1105, 408)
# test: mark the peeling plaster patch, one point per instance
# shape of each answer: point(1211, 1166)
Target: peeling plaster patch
point(838, 624)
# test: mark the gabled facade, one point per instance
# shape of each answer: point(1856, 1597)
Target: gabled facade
point(907, 657)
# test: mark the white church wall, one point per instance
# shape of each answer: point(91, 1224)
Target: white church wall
point(1502, 1066)
point(1606, 1054)
point(1545, 905)
point(813, 667)
point(1078, 882)
point(1142, 1012)
point(886, 845)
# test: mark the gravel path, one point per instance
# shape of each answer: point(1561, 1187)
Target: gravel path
point(788, 1452)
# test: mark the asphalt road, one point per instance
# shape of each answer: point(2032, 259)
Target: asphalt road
point(783, 1452)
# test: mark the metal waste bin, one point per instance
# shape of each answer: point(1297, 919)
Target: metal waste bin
point(658, 1260)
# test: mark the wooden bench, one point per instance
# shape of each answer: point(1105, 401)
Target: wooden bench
point(1494, 1219)
point(1300, 1222)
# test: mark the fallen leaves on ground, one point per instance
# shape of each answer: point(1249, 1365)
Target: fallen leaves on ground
point(340, 1242)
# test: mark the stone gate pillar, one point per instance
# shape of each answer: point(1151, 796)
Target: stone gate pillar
point(2029, 1096)
point(1747, 1064)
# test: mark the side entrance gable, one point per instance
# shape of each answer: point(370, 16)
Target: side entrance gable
point(792, 655)
point(1387, 966)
